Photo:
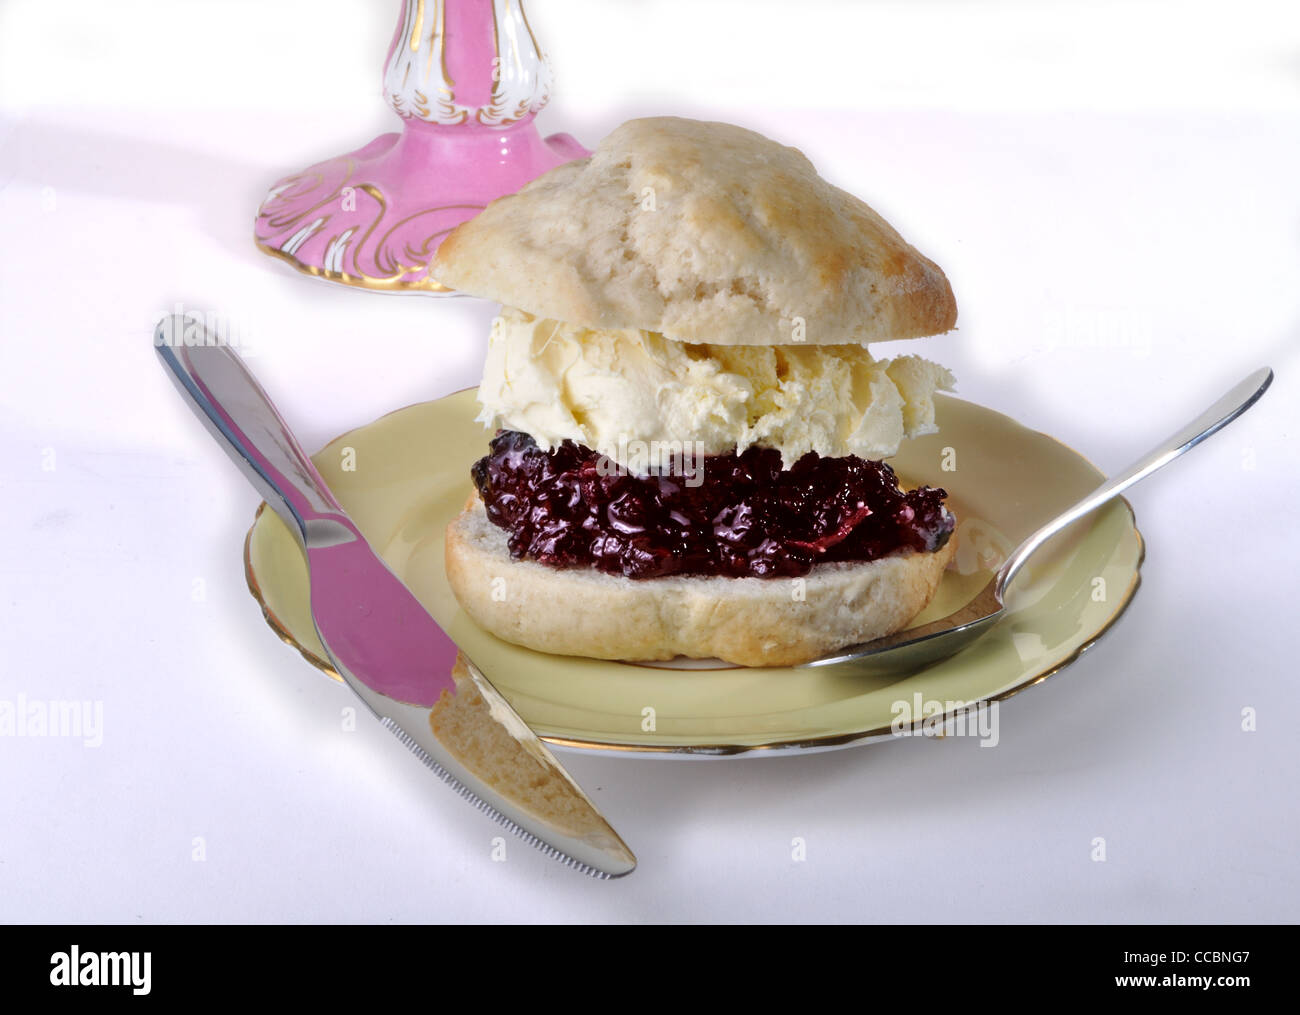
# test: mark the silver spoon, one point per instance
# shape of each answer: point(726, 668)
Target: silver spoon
point(919, 646)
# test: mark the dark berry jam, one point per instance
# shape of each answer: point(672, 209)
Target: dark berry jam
point(739, 515)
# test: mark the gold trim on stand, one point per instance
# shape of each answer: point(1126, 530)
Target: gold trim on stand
point(419, 24)
point(362, 282)
point(397, 279)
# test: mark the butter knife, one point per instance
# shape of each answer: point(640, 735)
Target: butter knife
point(381, 640)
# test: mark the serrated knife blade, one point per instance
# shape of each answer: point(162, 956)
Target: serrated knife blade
point(380, 638)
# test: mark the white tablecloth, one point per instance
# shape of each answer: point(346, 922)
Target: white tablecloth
point(1113, 194)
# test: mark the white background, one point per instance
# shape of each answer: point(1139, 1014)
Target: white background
point(1112, 190)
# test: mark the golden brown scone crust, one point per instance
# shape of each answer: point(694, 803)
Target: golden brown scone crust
point(747, 621)
point(704, 232)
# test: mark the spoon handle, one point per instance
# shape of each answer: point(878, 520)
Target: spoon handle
point(1212, 420)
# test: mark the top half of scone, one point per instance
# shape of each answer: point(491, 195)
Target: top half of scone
point(705, 233)
point(694, 299)
point(698, 281)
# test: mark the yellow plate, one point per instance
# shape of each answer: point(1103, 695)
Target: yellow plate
point(403, 477)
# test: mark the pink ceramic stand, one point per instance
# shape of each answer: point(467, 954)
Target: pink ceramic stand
point(468, 78)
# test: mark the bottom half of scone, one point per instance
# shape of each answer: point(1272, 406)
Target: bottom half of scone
point(746, 621)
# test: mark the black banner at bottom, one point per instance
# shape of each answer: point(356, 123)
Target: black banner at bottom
point(334, 964)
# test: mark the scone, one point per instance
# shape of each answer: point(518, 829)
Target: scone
point(690, 429)
point(747, 621)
